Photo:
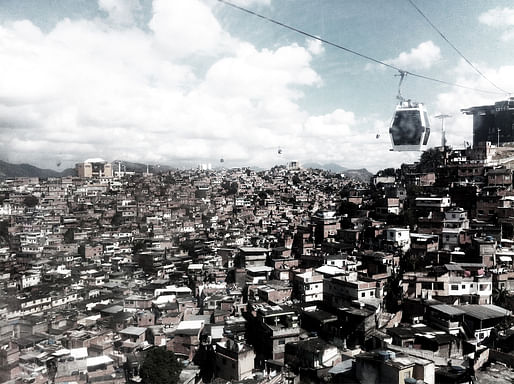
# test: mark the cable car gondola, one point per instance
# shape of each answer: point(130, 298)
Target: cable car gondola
point(410, 127)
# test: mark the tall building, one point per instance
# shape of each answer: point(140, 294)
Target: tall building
point(494, 123)
point(94, 168)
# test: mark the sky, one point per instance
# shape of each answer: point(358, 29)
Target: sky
point(184, 82)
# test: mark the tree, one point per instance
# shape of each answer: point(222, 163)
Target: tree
point(230, 187)
point(4, 232)
point(160, 367)
point(500, 296)
point(394, 293)
point(348, 208)
point(430, 160)
point(69, 236)
point(117, 219)
point(30, 201)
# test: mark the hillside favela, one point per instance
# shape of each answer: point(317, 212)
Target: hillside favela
point(256, 192)
point(285, 275)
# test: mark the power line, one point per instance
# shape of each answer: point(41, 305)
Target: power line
point(355, 52)
point(454, 47)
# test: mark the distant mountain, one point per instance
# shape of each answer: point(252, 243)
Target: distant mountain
point(27, 170)
point(332, 167)
point(361, 174)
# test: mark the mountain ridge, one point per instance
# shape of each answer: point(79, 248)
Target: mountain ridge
point(8, 170)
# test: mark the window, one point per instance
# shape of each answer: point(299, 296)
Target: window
point(363, 294)
point(455, 287)
point(372, 293)
point(281, 342)
point(463, 286)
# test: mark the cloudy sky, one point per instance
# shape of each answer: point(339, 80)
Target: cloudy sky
point(182, 82)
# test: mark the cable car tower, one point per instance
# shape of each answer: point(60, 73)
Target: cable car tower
point(410, 127)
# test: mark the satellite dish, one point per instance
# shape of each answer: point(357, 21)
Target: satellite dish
point(59, 163)
point(222, 160)
point(279, 151)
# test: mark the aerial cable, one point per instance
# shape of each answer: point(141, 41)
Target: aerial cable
point(355, 52)
point(455, 48)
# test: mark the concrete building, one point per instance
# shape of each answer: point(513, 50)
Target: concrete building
point(272, 327)
point(494, 123)
point(392, 368)
point(397, 239)
point(308, 286)
point(234, 361)
point(95, 167)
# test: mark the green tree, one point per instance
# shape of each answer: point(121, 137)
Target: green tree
point(160, 367)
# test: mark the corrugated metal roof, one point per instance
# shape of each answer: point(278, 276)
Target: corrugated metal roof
point(450, 310)
point(484, 312)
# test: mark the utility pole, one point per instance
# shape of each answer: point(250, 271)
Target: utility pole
point(498, 142)
point(443, 132)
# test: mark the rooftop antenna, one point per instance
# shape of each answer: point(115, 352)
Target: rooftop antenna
point(443, 131)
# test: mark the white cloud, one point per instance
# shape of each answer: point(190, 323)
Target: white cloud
point(502, 18)
point(186, 27)
point(315, 46)
point(337, 123)
point(498, 17)
point(424, 56)
point(88, 88)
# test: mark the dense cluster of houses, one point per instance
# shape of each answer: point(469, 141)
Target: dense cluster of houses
point(275, 276)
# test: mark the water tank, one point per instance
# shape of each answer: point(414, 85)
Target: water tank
point(386, 355)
